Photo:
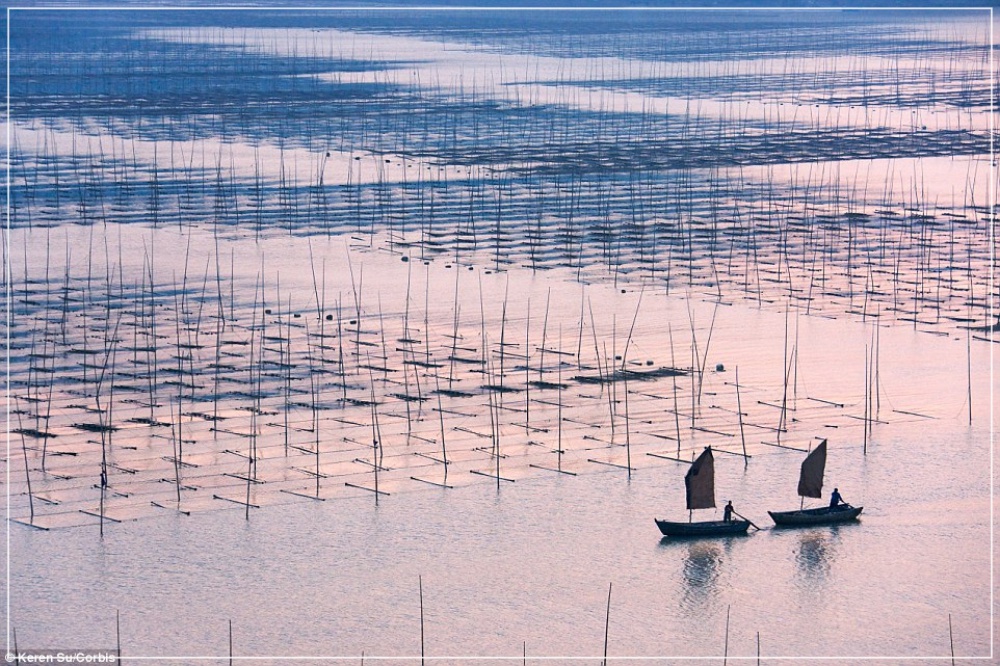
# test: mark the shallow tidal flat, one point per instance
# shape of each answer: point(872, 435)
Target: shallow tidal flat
point(373, 296)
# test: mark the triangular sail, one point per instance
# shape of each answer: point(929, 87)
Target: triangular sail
point(700, 482)
point(811, 476)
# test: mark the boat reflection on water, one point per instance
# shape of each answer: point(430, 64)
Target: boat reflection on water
point(701, 566)
point(817, 549)
point(814, 553)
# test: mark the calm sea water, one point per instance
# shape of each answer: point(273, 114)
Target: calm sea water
point(530, 564)
point(753, 192)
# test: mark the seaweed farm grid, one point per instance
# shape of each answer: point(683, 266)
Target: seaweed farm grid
point(161, 362)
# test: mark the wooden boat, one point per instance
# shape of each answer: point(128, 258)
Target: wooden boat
point(699, 483)
point(821, 516)
point(703, 528)
point(811, 485)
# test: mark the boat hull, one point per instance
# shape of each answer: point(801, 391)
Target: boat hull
point(821, 516)
point(710, 528)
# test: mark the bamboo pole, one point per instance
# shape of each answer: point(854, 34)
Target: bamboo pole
point(503, 330)
point(559, 409)
point(607, 624)
point(677, 414)
point(444, 450)
point(739, 412)
point(494, 425)
point(376, 435)
point(968, 348)
point(456, 310)
point(527, 369)
point(314, 393)
point(420, 583)
point(24, 450)
point(866, 415)
point(725, 653)
point(545, 327)
point(628, 441)
point(951, 640)
point(785, 366)
point(173, 439)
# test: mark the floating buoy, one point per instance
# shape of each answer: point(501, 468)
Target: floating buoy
point(719, 367)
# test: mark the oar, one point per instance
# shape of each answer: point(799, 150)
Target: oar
point(746, 519)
